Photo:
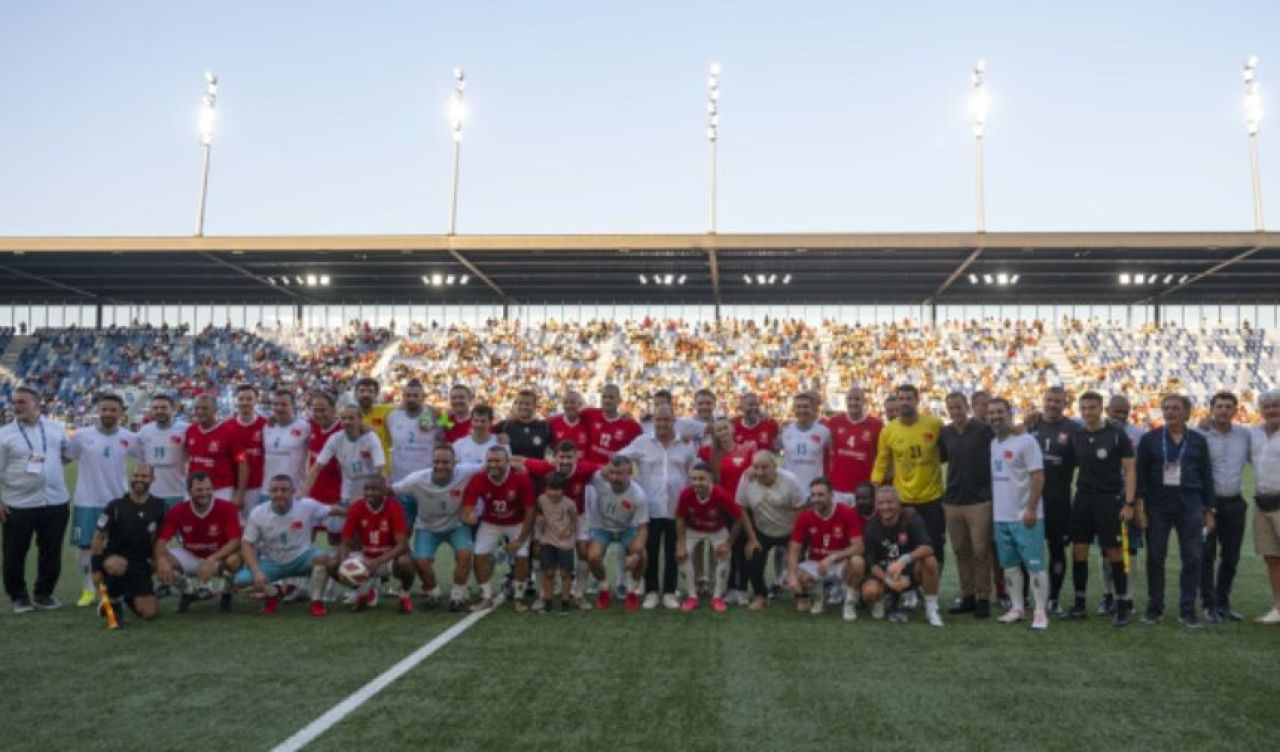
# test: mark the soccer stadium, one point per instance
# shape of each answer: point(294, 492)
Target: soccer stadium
point(695, 490)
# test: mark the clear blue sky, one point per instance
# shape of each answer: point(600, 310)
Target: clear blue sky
point(588, 116)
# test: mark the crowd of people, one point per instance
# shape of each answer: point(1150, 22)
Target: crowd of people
point(734, 505)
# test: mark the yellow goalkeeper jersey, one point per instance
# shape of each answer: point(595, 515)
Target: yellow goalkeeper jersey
point(912, 453)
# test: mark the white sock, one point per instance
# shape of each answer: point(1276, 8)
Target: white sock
point(1039, 589)
point(519, 589)
point(458, 593)
point(580, 575)
point(1014, 583)
point(690, 583)
point(84, 561)
point(931, 603)
point(319, 579)
point(722, 577)
point(486, 591)
point(636, 584)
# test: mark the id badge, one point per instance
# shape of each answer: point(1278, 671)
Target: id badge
point(1172, 474)
point(35, 464)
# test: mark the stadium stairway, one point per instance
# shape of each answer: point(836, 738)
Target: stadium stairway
point(9, 359)
point(1055, 351)
point(389, 353)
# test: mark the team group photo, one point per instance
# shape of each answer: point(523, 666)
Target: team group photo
point(569, 376)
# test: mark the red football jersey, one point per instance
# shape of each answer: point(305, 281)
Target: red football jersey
point(853, 451)
point(762, 435)
point(202, 536)
point(733, 465)
point(827, 535)
point(456, 431)
point(562, 430)
point(249, 446)
point(709, 516)
point(504, 503)
point(328, 485)
point(377, 530)
point(213, 452)
point(608, 436)
point(576, 488)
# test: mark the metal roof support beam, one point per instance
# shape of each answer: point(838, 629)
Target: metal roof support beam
point(964, 265)
point(54, 283)
point(479, 274)
point(1207, 273)
point(241, 270)
point(714, 265)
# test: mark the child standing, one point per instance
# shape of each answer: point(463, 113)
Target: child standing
point(558, 525)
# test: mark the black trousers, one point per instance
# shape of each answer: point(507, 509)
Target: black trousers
point(662, 533)
point(1228, 534)
point(935, 521)
point(47, 525)
point(755, 566)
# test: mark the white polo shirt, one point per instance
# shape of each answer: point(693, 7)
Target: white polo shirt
point(25, 484)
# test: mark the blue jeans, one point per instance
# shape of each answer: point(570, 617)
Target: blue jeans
point(1186, 516)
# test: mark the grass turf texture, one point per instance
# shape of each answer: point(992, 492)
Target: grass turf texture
point(656, 680)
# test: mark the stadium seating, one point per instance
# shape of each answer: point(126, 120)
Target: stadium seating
point(773, 357)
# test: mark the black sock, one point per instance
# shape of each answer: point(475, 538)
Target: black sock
point(1057, 570)
point(1080, 578)
point(1119, 580)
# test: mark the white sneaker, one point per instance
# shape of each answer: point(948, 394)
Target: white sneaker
point(850, 610)
point(1012, 615)
point(1272, 617)
point(934, 617)
point(650, 601)
point(877, 609)
point(1040, 621)
point(817, 606)
point(669, 601)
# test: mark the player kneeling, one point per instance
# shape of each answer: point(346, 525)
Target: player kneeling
point(123, 546)
point(617, 512)
point(832, 534)
point(209, 531)
point(277, 545)
point(901, 558)
point(705, 512)
point(376, 522)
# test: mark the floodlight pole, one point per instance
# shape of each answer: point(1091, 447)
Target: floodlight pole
point(1253, 123)
point(978, 109)
point(207, 109)
point(713, 132)
point(455, 123)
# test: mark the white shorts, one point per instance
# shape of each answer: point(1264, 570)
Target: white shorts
point(382, 571)
point(187, 561)
point(693, 537)
point(489, 534)
point(810, 567)
point(841, 497)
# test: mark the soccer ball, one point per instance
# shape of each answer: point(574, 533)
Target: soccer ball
point(353, 571)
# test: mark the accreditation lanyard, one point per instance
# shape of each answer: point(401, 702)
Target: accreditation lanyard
point(1172, 468)
point(35, 462)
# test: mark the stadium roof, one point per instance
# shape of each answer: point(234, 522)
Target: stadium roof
point(1059, 267)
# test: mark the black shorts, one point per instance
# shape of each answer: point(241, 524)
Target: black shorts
point(1057, 519)
point(135, 582)
point(551, 558)
point(1096, 517)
